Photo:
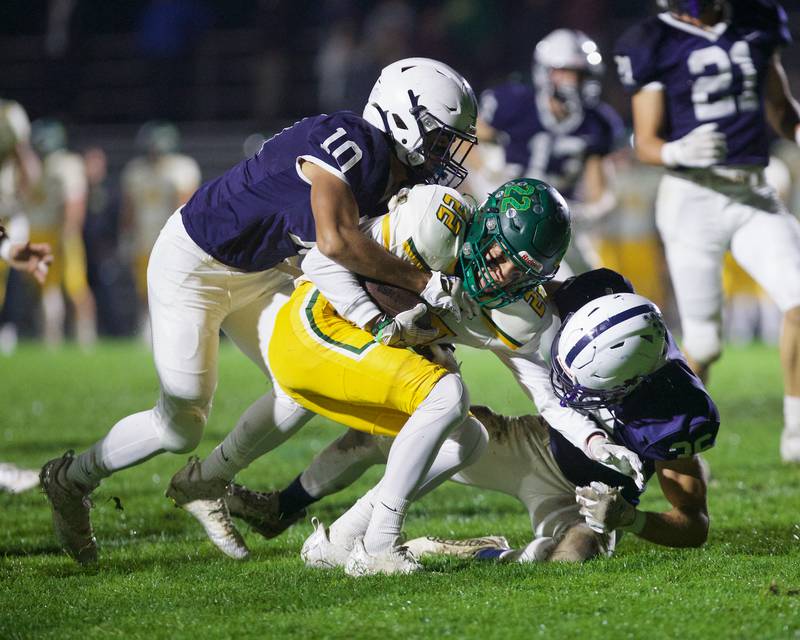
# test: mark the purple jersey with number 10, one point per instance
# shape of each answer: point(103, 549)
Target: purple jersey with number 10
point(259, 212)
point(667, 416)
point(541, 146)
point(715, 74)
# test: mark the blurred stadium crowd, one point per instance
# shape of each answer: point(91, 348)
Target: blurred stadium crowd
point(134, 103)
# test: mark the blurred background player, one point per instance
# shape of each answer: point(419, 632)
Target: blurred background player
point(33, 259)
point(56, 207)
point(556, 130)
point(706, 79)
point(20, 169)
point(154, 185)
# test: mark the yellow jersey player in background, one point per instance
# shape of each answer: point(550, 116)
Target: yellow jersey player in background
point(19, 170)
point(56, 208)
point(154, 185)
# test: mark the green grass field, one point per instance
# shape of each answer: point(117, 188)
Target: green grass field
point(158, 577)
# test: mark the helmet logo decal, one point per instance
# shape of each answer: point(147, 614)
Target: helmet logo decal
point(532, 262)
point(605, 326)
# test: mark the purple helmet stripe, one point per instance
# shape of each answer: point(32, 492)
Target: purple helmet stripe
point(605, 326)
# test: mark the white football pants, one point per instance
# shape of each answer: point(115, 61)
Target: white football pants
point(699, 219)
point(191, 297)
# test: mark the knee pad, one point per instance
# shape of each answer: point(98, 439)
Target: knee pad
point(702, 340)
point(181, 423)
point(473, 438)
point(451, 389)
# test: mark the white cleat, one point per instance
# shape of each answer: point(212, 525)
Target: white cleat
point(395, 560)
point(205, 500)
point(319, 552)
point(790, 445)
point(14, 479)
point(466, 548)
point(70, 504)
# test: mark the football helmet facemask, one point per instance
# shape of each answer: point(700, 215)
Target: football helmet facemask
point(572, 50)
point(605, 349)
point(428, 110)
point(529, 220)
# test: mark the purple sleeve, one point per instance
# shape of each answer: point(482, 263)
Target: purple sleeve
point(501, 107)
point(610, 131)
point(345, 144)
point(636, 56)
point(765, 16)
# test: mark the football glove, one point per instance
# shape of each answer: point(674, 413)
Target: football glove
point(447, 293)
point(402, 330)
point(702, 147)
point(604, 508)
point(617, 457)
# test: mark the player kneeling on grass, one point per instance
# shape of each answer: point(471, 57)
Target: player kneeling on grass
point(345, 369)
point(614, 361)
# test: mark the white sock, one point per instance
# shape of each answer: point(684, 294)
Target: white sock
point(131, 441)
point(791, 414)
point(386, 523)
point(266, 424)
point(354, 522)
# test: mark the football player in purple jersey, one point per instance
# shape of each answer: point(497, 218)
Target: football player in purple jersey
point(219, 263)
point(706, 79)
point(556, 130)
point(613, 360)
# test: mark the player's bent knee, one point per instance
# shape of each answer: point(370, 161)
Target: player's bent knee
point(579, 543)
point(452, 392)
point(473, 439)
point(182, 423)
point(702, 341)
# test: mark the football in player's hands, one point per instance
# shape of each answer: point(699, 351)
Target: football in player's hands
point(393, 300)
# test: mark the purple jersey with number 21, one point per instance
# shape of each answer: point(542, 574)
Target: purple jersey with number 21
point(715, 74)
point(259, 212)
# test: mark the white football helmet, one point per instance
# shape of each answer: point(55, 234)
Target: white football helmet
point(605, 349)
point(428, 110)
point(574, 50)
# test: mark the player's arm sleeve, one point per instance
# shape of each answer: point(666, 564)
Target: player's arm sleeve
point(340, 287)
point(634, 55)
point(533, 375)
point(346, 149)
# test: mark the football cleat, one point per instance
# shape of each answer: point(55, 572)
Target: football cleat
point(395, 560)
point(205, 500)
point(466, 548)
point(260, 510)
point(13, 479)
point(70, 504)
point(319, 552)
point(790, 445)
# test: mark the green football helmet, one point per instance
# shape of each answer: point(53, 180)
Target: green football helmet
point(530, 222)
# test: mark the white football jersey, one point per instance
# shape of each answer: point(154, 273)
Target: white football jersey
point(63, 180)
point(154, 190)
point(427, 225)
point(15, 127)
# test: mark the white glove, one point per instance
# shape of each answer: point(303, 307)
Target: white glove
point(702, 147)
point(604, 508)
point(615, 456)
point(447, 293)
point(402, 330)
